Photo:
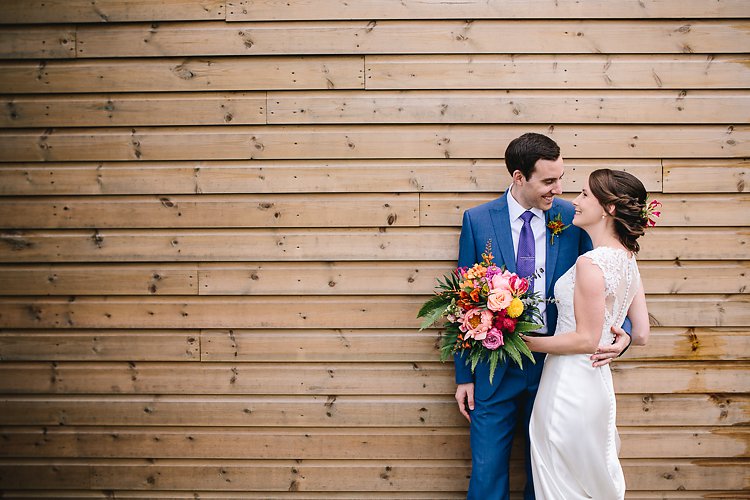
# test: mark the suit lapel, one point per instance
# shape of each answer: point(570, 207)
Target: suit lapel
point(552, 250)
point(501, 227)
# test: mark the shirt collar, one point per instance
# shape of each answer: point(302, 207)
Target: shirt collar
point(515, 210)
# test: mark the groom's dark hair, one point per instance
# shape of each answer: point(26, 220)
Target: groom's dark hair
point(523, 152)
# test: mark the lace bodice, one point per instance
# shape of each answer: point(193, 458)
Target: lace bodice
point(621, 282)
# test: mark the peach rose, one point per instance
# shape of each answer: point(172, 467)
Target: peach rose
point(499, 299)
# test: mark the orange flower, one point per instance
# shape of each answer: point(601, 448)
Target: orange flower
point(477, 271)
point(474, 295)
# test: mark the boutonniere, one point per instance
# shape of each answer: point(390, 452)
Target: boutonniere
point(556, 227)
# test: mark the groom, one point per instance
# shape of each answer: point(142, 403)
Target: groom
point(521, 241)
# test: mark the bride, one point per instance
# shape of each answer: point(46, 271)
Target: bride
point(574, 441)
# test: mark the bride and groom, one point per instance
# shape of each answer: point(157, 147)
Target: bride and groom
point(567, 408)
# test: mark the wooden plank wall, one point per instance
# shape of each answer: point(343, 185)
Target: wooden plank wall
point(219, 218)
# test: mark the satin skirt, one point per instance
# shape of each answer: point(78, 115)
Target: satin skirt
point(573, 437)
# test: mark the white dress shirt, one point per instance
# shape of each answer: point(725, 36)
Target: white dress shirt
point(538, 226)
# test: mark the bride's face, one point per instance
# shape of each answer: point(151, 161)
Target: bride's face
point(588, 211)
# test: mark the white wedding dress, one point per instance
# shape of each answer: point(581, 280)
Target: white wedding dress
point(574, 441)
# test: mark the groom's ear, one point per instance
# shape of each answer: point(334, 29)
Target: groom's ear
point(518, 177)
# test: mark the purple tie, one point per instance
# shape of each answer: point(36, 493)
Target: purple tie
point(526, 249)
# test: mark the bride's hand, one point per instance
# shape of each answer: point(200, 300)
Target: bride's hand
point(529, 340)
point(605, 354)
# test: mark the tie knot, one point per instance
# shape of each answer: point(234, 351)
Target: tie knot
point(527, 215)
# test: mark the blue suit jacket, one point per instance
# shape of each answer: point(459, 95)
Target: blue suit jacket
point(491, 221)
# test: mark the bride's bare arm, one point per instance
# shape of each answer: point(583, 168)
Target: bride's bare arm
point(638, 314)
point(589, 313)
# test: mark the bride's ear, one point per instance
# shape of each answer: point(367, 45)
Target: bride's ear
point(610, 209)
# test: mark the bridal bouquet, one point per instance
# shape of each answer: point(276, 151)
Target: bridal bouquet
point(485, 308)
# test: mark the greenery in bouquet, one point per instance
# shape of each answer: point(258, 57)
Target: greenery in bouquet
point(485, 307)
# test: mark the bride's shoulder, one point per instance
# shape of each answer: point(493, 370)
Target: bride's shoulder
point(606, 258)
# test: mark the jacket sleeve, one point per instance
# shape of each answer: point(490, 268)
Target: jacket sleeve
point(467, 256)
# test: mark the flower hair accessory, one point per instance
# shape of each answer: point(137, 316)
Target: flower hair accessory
point(556, 227)
point(650, 212)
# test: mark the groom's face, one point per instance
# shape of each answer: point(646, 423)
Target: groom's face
point(540, 189)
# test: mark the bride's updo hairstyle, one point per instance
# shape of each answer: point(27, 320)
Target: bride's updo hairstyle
point(624, 192)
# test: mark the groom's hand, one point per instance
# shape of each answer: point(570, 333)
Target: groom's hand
point(605, 354)
point(464, 397)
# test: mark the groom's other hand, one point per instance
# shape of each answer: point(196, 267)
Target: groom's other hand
point(605, 354)
point(465, 397)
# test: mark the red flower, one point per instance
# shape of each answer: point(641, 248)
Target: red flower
point(508, 324)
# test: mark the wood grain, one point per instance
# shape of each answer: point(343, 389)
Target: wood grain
point(266, 10)
point(288, 176)
point(412, 37)
point(364, 142)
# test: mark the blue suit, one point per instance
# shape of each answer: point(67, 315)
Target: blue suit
point(498, 406)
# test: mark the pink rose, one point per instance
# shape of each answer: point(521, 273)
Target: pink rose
point(499, 299)
point(501, 281)
point(475, 323)
point(493, 340)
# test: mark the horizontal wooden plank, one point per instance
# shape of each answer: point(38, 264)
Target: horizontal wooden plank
point(210, 312)
point(693, 343)
point(689, 243)
point(224, 378)
point(365, 141)
point(271, 10)
point(330, 378)
point(255, 443)
point(444, 209)
point(260, 245)
point(331, 444)
point(653, 410)
point(509, 106)
point(411, 345)
point(120, 279)
point(313, 278)
point(556, 72)
point(690, 277)
point(244, 495)
point(105, 11)
point(212, 211)
point(366, 345)
point(305, 312)
point(697, 310)
point(419, 278)
point(412, 37)
point(703, 176)
point(180, 74)
point(380, 476)
point(331, 495)
point(116, 345)
point(349, 176)
point(343, 411)
point(32, 42)
point(106, 110)
point(267, 495)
